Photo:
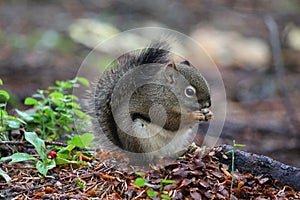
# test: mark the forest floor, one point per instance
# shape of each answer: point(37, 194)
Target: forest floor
point(198, 174)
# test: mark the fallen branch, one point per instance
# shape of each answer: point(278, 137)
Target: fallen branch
point(261, 165)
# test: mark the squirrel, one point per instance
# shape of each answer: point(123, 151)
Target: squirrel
point(147, 103)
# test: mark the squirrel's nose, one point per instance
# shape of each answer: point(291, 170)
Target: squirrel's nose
point(204, 104)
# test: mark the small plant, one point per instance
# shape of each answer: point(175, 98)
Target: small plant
point(43, 164)
point(141, 182)
point(52, 115)
point(54, 110)
point(7, 122)
point(232, 162)
point(66, 155)
point(80, 183)
point(5, 176)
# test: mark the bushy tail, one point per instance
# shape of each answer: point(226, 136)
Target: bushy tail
point(157, 52)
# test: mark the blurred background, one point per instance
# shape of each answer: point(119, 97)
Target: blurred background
point(255, 44)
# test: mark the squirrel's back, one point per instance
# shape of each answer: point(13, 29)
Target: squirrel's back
point(155, 53)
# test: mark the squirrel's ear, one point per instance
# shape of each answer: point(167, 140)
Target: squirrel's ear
point(172, 65)
point(169, 72)
point(186, 63)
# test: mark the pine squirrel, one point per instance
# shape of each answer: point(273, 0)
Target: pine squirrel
point(147, 103)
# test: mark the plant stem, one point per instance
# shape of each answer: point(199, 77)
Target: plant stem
point(232, 168)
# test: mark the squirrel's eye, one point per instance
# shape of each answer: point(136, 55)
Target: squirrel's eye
point(190, 91)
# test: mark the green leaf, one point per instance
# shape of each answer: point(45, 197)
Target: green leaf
point(149, 184)
point(56, 95)
point(83, 81)
point(239, 145)
point(24, 115)
point(167, 181)
point(165, 196)
point(80, 183)
point(151, 193)
point(41, 95)
point(64, 85)
point(73, 105)
point(67, 128)
point(141, 174)
point(30, 101)
point(38, 143)
point(1, 82)
point(2, 105)
point(140, 182)
point(65, 152)
point(4, 174)
point(3, 113)
point(73, 97)
point(82, 140)
point(229, 151)
point(62, 161)
point(5, 94)
point(13, 124)
point(79, 113)
point(49, 113)
point(21, 121)
point(52, 87)
point(18, 157)
point(59, 83)
point(44, 167)
point(58, 102)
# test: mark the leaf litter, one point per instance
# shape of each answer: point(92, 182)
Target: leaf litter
point(194, 175)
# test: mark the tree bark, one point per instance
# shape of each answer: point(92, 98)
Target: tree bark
point(261, 165)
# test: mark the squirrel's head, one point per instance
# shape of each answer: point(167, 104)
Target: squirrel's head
point(178, 88)
point(191, 85)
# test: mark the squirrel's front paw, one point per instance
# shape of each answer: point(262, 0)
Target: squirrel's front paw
point(202, 115)
point(198, 115)
point(207, 113)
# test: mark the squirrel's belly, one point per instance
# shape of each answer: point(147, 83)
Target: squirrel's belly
point(156, 139)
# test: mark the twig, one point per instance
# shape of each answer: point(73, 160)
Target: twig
point(53, 143)
point(280, 72)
